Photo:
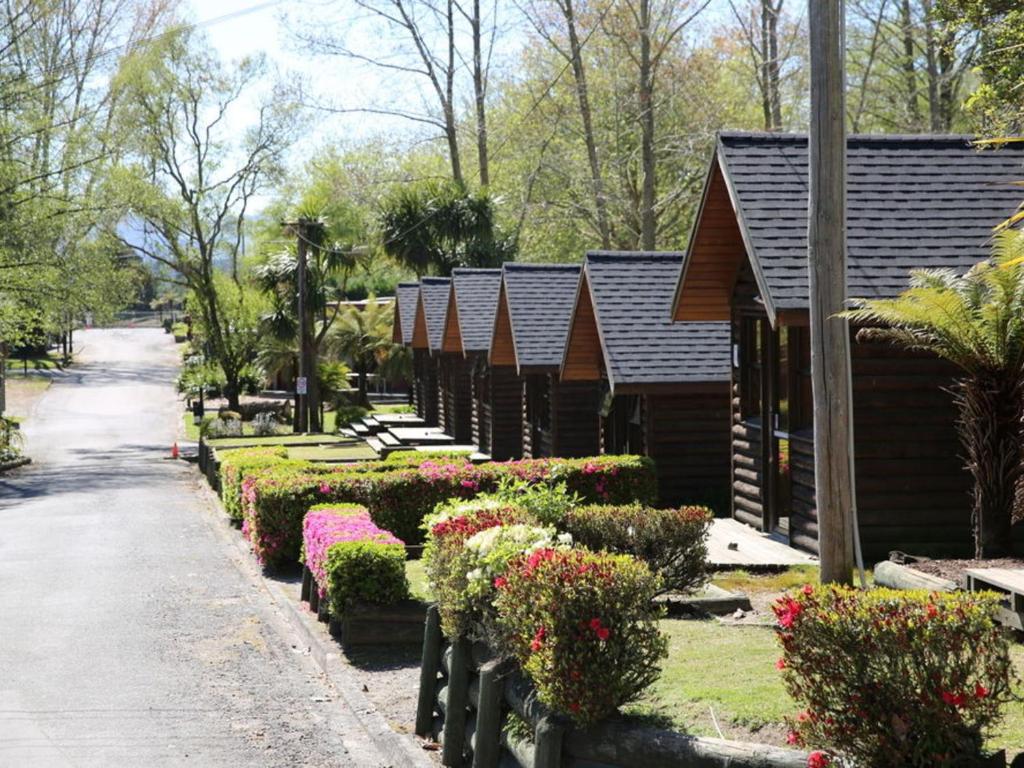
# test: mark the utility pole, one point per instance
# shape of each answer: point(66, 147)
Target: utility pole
point(306, 417)
point(830, 335)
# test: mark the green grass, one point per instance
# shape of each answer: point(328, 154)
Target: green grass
point(244, 442)
point(793, 577)
point(47, 362)
point(355, 451)
point(418, 586)
point(392, 408)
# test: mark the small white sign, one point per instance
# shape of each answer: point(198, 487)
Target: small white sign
point(300, 385)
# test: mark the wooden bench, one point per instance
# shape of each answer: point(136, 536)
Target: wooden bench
point(1007, 582)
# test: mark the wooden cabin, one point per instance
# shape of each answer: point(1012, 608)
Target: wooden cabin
point(406, 296)
point(913, 202)
point(665, 385)
point(495, 391)
point(428, 328)
point(531, 325)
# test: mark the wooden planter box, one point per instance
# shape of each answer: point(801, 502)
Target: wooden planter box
point(363, 624)
point(466, 696)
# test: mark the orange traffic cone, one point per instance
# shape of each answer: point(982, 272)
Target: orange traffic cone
point(174, 450)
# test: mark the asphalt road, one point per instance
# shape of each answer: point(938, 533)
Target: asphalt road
point(131, 633)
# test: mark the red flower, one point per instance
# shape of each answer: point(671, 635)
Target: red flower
point(595, 624)
point(603, 633)
point(980, 691)
point(818, 760)
point(954, 699)
point(780, 664)
point(932, 611)
point(500, 582)
point(808, 590)
point(793, 738)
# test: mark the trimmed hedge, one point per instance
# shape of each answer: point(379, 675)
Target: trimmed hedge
point(275, 501)
point(236, 463)
point(351, 559)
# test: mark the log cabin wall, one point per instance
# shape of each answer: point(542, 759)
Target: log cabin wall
point(687, 436)
point(456, 396)
point(430, 391)
point(481, 398)
point(538, 416)
point(505, 409)
point(576, 423)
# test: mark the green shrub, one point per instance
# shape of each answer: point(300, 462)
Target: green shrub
point(673, 542)
point(415, 458)
point(219, 427)
point(550, 504)
point(235, 464)
point(890, 679)
point(351, 559)
point(228, 415)
point(583, 626)
point(447, 562)
point(399, 500)
point(346, 413)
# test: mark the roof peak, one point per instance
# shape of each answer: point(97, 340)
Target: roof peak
point(435, 280)
point(476, 271)
point(516, 266)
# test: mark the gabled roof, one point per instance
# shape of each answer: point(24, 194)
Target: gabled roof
point(912, 202)
point(534, 308)
point(431, 309)
point(406, 295)
point(473, 299)
point(622, 322)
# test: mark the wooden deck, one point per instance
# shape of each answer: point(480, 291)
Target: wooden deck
point(752, 548)
point(1007, 582)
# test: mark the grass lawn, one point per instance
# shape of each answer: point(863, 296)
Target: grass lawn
point(353, 451)
point(48, 362)
point(245, 442)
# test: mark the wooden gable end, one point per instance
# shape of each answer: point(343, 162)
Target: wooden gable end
point(715, 254)
point(503, 349)
point(452, 339)
point(583, 353)
point(396, 327)
point(419, 328)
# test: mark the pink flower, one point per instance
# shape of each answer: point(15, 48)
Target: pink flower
point(793, 738)
point(780, 664)
point(500, 583)
point(325, 488)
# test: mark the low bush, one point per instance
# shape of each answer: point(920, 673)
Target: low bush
point(220, 427)
point(229, 415)
point(415, 458)
point(584, 628)
point(892, 679)
point(275, 502)
point(346, 413)
point(351, 559)
point(448, 562)
point(265, 424)
point(236, 463)
point(673, 542)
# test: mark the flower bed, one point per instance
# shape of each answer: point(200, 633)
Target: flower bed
point(351, 559)
point(891, 678)
point(275, 501)
point(236, 464)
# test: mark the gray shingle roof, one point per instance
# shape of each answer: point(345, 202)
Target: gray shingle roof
point(912, 201)
point(632, 293)
point(540, 300)
point(434, 294)
point(406, 295)
point(476, 297)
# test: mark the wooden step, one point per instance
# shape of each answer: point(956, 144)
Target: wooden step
point(388, 439)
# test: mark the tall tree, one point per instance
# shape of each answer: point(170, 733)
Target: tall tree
point(189, 184)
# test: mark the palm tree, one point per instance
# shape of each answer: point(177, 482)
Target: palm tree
point(361, 337)
point(975, 321)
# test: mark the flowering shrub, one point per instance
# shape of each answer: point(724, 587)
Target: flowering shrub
point(447, 561)
point(351, 558)
point(583, 626)
point(893, 679)
point(235, 464)
point(275, 501)
point(414, 458)
point(673, 542)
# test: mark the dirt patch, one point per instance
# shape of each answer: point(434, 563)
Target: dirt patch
point(953, 569)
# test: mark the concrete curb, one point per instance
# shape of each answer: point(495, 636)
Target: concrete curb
point(399, 751)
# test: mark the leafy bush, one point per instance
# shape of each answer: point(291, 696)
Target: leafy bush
point(229, 415)
point(236, 463)
point(673, 542)
point(447, 562)
point(265, 424)
point(219, 427)
point(584, 628)
point(351, 559)
point(167, 323)
point(10, 439)
point(549, 504)
point(892, 679)
point(415, 458)
point(346, 413)
point(399, 500)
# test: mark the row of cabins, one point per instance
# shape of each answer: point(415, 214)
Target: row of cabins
point(701, 360)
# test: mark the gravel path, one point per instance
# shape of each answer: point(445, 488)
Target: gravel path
point(129, 633)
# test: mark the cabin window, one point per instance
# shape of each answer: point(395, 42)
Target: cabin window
point(623, 426)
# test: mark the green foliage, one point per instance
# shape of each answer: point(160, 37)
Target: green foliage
point(584, 627)
point(10, 439)
point(365, 572)
point(346, 413)
point(236, 464)
point(362, 338)
point(893, 679)
point(415, 458)
point(221, 427)
point(436, 226)
point(673, 542)
point(549, 504)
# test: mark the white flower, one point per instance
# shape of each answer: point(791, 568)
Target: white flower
point(565, 539)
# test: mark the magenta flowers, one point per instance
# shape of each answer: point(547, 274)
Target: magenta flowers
point(322, 528)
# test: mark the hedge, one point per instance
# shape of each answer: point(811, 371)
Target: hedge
point(351, 559)
point(236, 463)
point(275, 501)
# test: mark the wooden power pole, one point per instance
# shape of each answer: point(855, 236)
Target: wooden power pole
point(830, 335)
point(307, 417)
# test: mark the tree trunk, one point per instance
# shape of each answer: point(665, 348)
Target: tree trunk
point(909, 72)
point(580, 75)
point(480, 95)
point(990, 425)
point(450, 127)
point(774, 75)
point(645, 92)
point(232, 391)
point(364, 398)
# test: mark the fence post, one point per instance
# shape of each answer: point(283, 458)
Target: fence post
point(454, 740)
point(547, 739)
point(429, 666)
point(488, 715)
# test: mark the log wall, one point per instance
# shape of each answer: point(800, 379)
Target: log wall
point(456, 396)
point(498, 412)
point(574, 418)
